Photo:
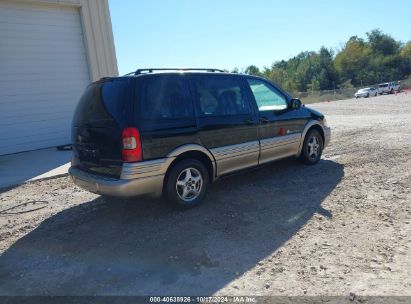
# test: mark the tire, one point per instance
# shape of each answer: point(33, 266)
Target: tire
point(368, 95)
point(312, 148)
point(391, 91)
point(191, 189)
point(376, 94)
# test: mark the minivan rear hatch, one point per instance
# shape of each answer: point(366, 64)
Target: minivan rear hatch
point(104, 110)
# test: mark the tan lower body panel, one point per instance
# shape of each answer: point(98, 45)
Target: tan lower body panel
point(236, 157)
point(279, 147)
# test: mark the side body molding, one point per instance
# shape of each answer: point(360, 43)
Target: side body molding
point(159, 167)
point(305, 130)
point(236, 157)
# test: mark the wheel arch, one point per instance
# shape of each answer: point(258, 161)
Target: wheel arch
point(314, 124)
point(194, 151)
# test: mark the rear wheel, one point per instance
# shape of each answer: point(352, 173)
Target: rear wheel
point(186, 184)
point(368, 95)
point(312, 147)
point(392, 91)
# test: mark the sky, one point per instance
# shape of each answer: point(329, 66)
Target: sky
point(236, 33)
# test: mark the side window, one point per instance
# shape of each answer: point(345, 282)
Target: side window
point(165, 96)
point(267, 98)
point(220, 95)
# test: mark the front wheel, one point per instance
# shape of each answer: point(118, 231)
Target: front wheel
point(186, 184)
point(312, 147)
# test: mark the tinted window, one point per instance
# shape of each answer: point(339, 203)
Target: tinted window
point(220, 95)
point(266, 96)
point(103, 102)
point(165, 96)
point(117, 96)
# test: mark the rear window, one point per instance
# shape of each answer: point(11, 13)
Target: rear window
point(104, 102)
point(164, 97)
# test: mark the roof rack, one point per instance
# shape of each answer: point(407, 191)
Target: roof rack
point(151, 70)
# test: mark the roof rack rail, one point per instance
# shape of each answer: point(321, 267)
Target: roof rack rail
point(151, 70)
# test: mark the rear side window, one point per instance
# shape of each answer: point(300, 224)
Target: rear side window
point(165, 96)
point(220, 95)
point(105, 101)
point(118, 96)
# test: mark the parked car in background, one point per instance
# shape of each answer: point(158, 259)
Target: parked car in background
point(366, 92)
point(388, 88)
point(172, 133)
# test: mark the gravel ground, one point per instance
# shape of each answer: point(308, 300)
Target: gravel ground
point(340, 227)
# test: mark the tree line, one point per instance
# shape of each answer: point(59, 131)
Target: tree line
point(360, 62)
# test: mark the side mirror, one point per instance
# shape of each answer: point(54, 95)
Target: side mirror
point(295, 104)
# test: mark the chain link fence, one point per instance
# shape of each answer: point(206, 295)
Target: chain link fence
point(325, 95)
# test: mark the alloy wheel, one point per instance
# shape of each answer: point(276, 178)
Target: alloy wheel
point(313, 147)
point(189, 184)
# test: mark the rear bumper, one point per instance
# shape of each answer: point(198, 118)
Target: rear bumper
point(327, 136)
point(149, 185)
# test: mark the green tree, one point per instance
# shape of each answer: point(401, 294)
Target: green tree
point(361, 62)
point(352, 59)
point(405, 58)
point(314, 85)
point(252, 70)
point(382, 43)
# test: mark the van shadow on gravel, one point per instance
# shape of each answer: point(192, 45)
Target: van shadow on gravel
point(140, 247)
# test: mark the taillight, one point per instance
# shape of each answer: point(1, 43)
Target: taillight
point(131, 145)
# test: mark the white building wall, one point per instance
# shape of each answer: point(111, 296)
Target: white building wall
point(95, 15)
point(50, 50)
point(98, 34)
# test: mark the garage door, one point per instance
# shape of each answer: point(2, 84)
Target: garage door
point(43, 71)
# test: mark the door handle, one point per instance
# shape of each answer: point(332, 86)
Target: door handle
point(264, 120)
point(249, 121)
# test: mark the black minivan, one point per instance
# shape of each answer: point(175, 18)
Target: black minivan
point(172, 132)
